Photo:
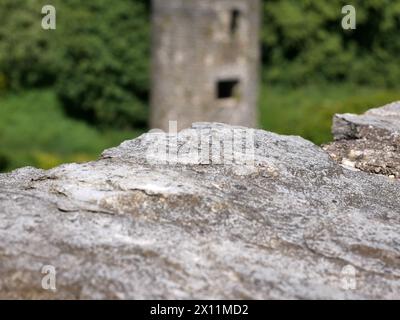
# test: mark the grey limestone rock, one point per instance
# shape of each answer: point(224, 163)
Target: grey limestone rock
point(368, 142)
point(290, 223)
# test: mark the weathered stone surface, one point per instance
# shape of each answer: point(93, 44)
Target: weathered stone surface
point(125, 226)
point(216, 40)
point(368, 142)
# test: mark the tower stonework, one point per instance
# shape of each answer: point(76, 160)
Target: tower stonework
point(205, 62)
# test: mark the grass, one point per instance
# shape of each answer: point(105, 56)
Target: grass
point(308, 111)
point(34, 131)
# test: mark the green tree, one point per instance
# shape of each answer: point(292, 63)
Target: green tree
point(303, 42)
point(98, 56)
point(29, 56)
point(105, 72)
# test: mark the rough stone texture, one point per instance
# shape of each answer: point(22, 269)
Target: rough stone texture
point(126, 226)
point(368, 142)
point(197, 44)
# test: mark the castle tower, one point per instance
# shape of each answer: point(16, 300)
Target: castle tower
point(205, 62)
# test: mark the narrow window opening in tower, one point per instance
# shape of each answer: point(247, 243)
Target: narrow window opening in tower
point(228, 88)
point(235, 21)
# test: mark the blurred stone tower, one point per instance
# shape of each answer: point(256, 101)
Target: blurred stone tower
point(205, 62)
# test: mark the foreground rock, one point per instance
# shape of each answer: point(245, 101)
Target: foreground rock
point(291, 224)
point(368, 142)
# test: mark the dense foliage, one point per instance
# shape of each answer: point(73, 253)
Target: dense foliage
point(95, 67)
point(98, 57)
point(105, 72)
point(99, 54)
point(304, 42)
point(29, 57)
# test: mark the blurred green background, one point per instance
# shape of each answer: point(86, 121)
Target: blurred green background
point(67, 94)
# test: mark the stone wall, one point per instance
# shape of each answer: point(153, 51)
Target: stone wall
point(205, 62)
point(291, 224)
